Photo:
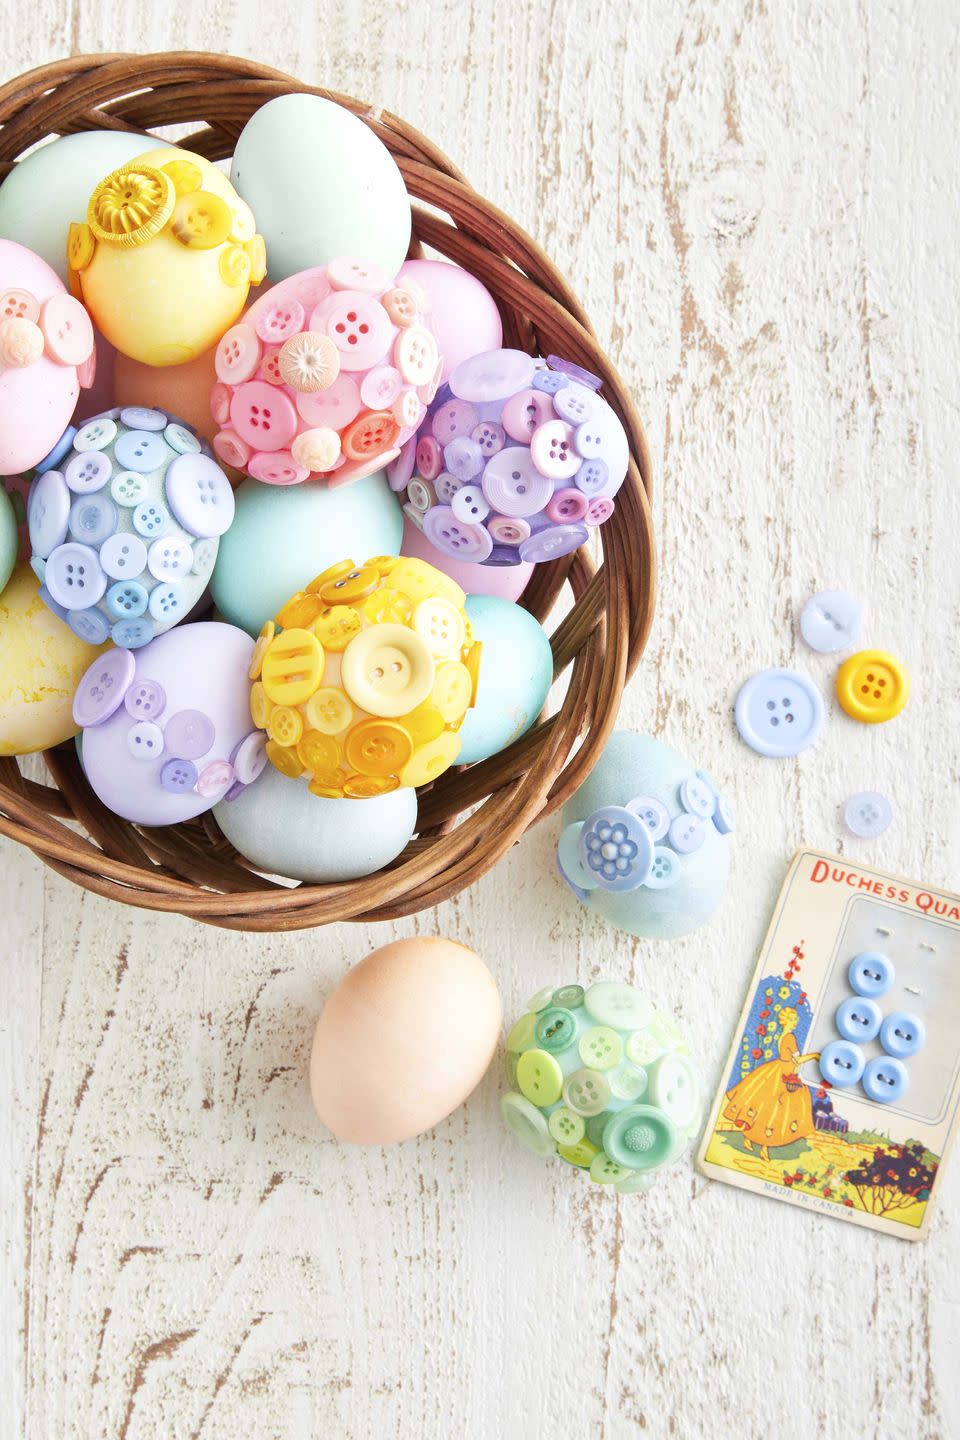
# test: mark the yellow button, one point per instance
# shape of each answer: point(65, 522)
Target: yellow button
point(539, 1077)
point(384, 563)
point(285, 725)
point(365, 787)
point(452, 690)
point(431, 760)
point(872, 686)
point(234, 265)
point(421, 581)
point(472, 662)
point(355, 585)
point(328, 711)
point(292, 667)
point(317, 450)
point(387, 670)
point(243, 227)
point(387, 606)
point(257, 254)
point(320, 754)
point(582, 1154)
point(260, 649)
point(131, 205)
point(80, 246)
point(326, 789)
point(202, 221)
point(378, 747)
point(336, 625)
point(424, 724)
point(260, 706)
point(186, 176)
point(440, 625)
point(332, 572)
point(300, 611)
point(284, 760)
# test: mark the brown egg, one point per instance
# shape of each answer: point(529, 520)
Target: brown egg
point(403, 1039)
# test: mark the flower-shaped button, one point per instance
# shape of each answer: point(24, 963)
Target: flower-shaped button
point(885, 1079)
point(616, 847)
point(872, 686)
point(858, 1019)
point(309, 362)
point(841, 1063)
point(779, 713)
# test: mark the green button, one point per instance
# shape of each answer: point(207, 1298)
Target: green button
point(596, 1124)
point(539, 1077)
point(611, 1003)
point(510, 1069)
point(582, 1154)
point(541, 1000)
point(555, 1029)
point(569, 996)
point(636, 1180)
point(601, 1048)
point(641, 1137)
point(586, 1091)
point(604, 1171)
point(566, 1127)
point(644, 1047)
point(521, 1036)
point(527, 1123)
point(668, 1032)
point(628, 1081)
point(675, 1088)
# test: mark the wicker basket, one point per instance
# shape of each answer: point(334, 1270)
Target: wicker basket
point(190, 868)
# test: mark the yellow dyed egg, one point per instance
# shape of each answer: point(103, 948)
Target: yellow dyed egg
point(165, 256)
point(363, 681)
point(41, 662)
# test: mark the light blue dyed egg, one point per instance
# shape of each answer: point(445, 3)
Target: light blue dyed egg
point(633, 765)
point(50, 188)
point(321, 185)
point(282, 536)
point(516, 671)
point(283, 829)
point(8, 537)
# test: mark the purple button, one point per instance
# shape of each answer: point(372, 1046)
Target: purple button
point(593, 476)
point(503, 555)
point(200, 495)
point(178, 776)
point(250, 757)
point(400, 470)
point(452, 420)
point(567, 367)
point(513, 485)
point(616, 849)
point(189, 734)
point(48, 511)
point(654, 815)
point(145, 740)
point(102, 688)
point(552, 543)
point(455, 538)
point(490, 436)
point(549, 381)
point(686, 834)
point(445, 487)
point(493, 375)
point(145, 700)
point(463, 458)
point(574, 403)
point(88, 625)
point(235, 791)
point(88, 471)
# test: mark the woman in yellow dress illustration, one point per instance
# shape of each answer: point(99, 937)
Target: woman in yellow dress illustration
point(771, 1106)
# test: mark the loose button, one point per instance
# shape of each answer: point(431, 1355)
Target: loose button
point(88, 472)
point(653, 813)
point(698, 798)
point(553, 543)
point(675, 1089)
point(622, 1007)
point(665, 870)
point(167, 603)
point(135, 417)
point(555, 1029)
point(885, 1080)
point(58, 453)
point(48, 513)
point(870, 974)
point(512, 484)
point(494, 375)
point(237, 357)
point(308, 362)
point(526, 1123)
point(378, 747)
point(189, 734)
point(141, 450)
point(524, 413)
point(74, 576)
point(133, 634)
point(128, 488)
point(454, 537)
point(250, 757)
point(779, 713)
point(539, 1077)
point(333, 407)
point(586, 1092)
point(867, 814)
point(263, 416)
point(858, 1019)
point(357, 324)
point(490, 436)
point(686, 834)
point(145, 741)
point(616, 847)
point(145, 700)
point(627, 1081)
point(387, 670)
point(102, 688)
point(200, 495)
point(88, 625)
point(902, 1034)
point(66, 329)
point(463, 458)
point(872, 686)
point(215, 780)
point(278, 320)
point(566, 1127)
point(574, 403)
point(293, 667)
point(641, 1137)
point(601, 1048)
point(841, 1063)
point(96, 434)
point(553, 450)
point(93, 518)
point(831, 621)
point(178, 777)
point(441, 627)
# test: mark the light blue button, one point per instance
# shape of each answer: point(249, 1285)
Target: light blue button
point(593, 477)
point(179, 438)
point(574, 403)
point(139, 417)
point(870, 973)
point(54, 605)
point(654, 815)
point(831, 621)
point(88, 625)
point(127, 600)
point(48, 513)
point(132, 634)
point(686, 834)
point(902, 1034)
point(549, 381)
point(151, 519)
point(725, 817)
point(62, 448)
point(867, 814)
point(665, 870)
point(568, 859)
point(141, 450)
point(841, 1063)
point(858, 1019)
point(88, 472)
point(95, 434)
point(885, 1079)
point(698, 798)
point(128, 488)
point(616, 848)
point(93, 518)
point(123, 557)
point(74, 576)
point(167, 604)
point(779, 713)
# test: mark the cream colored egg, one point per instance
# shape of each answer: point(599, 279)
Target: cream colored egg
point(403, 1039)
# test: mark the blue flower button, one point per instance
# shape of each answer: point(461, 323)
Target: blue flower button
point(779, 713)
point(885, 1079)
point(616, 848)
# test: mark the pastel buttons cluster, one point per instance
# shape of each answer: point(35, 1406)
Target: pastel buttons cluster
point(515, 461)
point(326, 375)
point(125, 519)
point(779, 713)
point(165, 256)
point(363, 680)
point(603, 1080)
point(166, 728)
point(46, 356)
point(860, 1020)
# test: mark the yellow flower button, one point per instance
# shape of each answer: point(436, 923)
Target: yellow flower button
point(387, 670)
point(260, 649)
point(539, 1077)
point(202, 221)
point(387, 606)
point(452, 690)
point(131, 205)
point(441, 625)
point(431, 760)
point(336, 626)
point(378, 747)
point(348, 589)
point(292, 667)
point(285, 725)
point(872, 686)
point(328, 711)
point(284, 760)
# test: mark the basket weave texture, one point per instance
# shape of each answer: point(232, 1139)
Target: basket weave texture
point(468, 818)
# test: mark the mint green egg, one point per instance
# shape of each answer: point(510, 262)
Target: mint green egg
point(516, 671)
point(8, 537)
point(321, 184)
point(51, 187)
point(282, 536)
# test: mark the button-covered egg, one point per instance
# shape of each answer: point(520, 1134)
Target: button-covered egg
point(516, 675)
point(325, 377)
point(41, 661)
point(362, 682)
point(166, 729)
point(282, 829)
point(463, 314)
point(600, 1078)
point(9, 537)
point(403, 1039)
point(322, 184)
point(165, 255)
point(125, 525)
point(46, 355)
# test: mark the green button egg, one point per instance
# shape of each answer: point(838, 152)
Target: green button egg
point(8, 537)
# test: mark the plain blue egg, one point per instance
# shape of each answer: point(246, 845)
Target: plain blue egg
point(284, 535)
point(516, 671)
point(283, 829)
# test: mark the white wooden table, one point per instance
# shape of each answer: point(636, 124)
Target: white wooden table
point(758, 205)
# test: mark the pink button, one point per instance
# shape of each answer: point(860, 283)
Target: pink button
point(334, 407)
point(238, 355)
point(567, 506)
point(553, 450)
point(270, 366)
point(508, 531)
point(524, 412)
point(228, 447)
point(401, 469)
point(220, 402)
point(347, 274)
point(310, 286)
point(512, 483)
point(429, 457)
point(357, 324)
point(66, 329)
point(215, 779)
point(407, 409)
point(490, 436)
point(263, 416)
point(599, 510)
point(416, 355)
point(277, 468)
point(87, 370)
point(359, 469)
point(380, 387)
point(450, 421)
point(455, 538)
point(278, 319)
